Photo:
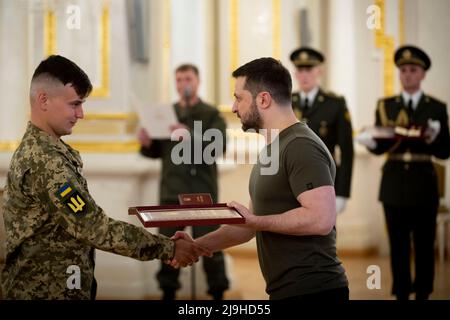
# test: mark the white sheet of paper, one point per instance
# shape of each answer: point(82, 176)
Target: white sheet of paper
point(156, 118)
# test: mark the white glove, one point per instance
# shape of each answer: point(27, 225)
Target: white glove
point(432, 131)
point(341, 203)
point(365, 138)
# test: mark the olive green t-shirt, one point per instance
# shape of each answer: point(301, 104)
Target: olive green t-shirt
point(295, 265)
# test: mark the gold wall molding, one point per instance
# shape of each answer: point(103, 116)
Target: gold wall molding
point(108, 124)
point(50, 47)
point(379, 32)
point(105, 147)
point(86, 146)
point(389, 67)
point(49, 33)
point(104, 90)
point(276, 28)
point(234, 40)
point(111, 116)
point(386, 43)
point(9, 145)
point(225, 108)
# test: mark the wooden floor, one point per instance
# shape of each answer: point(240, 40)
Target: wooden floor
point(250, 284)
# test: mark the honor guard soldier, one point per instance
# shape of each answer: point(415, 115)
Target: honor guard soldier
point(327, 115)
point(409, 187)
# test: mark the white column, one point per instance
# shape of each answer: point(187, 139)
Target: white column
point(353, 71)
point(14, 76)
point(341, 55)
point(433, 37)
point(191, 40)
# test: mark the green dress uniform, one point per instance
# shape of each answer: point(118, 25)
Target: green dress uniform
point(409, 187)
point(197, 176)
point(330, 119)
point(53, 224)
point(409, 190)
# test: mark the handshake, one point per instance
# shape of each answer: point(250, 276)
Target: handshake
point(186, 251)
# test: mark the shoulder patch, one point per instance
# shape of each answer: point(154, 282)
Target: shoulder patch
point(72, 199)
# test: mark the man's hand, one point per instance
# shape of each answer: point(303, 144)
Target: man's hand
point(366, 139)
point(341, 203)
point(432, 131)
point(180, 132)
point(182, 235)
point(251, 220)
point(176, 126)
point(186, 250)
point(144, 138)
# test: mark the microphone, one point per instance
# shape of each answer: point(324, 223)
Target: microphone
point(187, 94)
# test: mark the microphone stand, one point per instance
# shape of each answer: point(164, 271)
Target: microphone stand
point(191, 171)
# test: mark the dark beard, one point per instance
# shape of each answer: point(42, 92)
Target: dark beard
point(253, 119)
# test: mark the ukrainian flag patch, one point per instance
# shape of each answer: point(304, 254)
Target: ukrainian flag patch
point(72, 199)
point(64, 190)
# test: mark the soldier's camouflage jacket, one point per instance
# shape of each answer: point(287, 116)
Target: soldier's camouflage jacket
point(52, 223)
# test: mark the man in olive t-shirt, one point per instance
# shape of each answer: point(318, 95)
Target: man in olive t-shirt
point(293, 209)
point(293, 265)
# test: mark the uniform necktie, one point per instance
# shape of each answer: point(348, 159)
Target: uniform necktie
point(305, 104)
point(410, 110)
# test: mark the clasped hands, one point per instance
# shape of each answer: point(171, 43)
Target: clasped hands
point(186, 250)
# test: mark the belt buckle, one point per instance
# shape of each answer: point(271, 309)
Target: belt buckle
point(407, 156)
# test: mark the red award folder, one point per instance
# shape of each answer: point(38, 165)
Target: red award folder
point(195, 198)
point(186, 215)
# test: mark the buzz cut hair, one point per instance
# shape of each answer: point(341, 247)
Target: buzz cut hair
point(58, 70)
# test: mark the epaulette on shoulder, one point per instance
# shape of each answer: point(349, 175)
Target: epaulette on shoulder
point(433, 99)
point(390, 98)
point(331, 94)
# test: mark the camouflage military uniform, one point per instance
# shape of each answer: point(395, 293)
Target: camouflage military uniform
point(53, 223)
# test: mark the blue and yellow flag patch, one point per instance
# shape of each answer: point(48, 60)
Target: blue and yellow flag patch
point(65, 190)
point(72, 199)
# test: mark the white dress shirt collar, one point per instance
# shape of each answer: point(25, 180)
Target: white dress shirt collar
point(415, 98)
point(311, 96)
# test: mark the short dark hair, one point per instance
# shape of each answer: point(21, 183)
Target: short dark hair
point(66, 71)
point(267, 74)
point(187, 67)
